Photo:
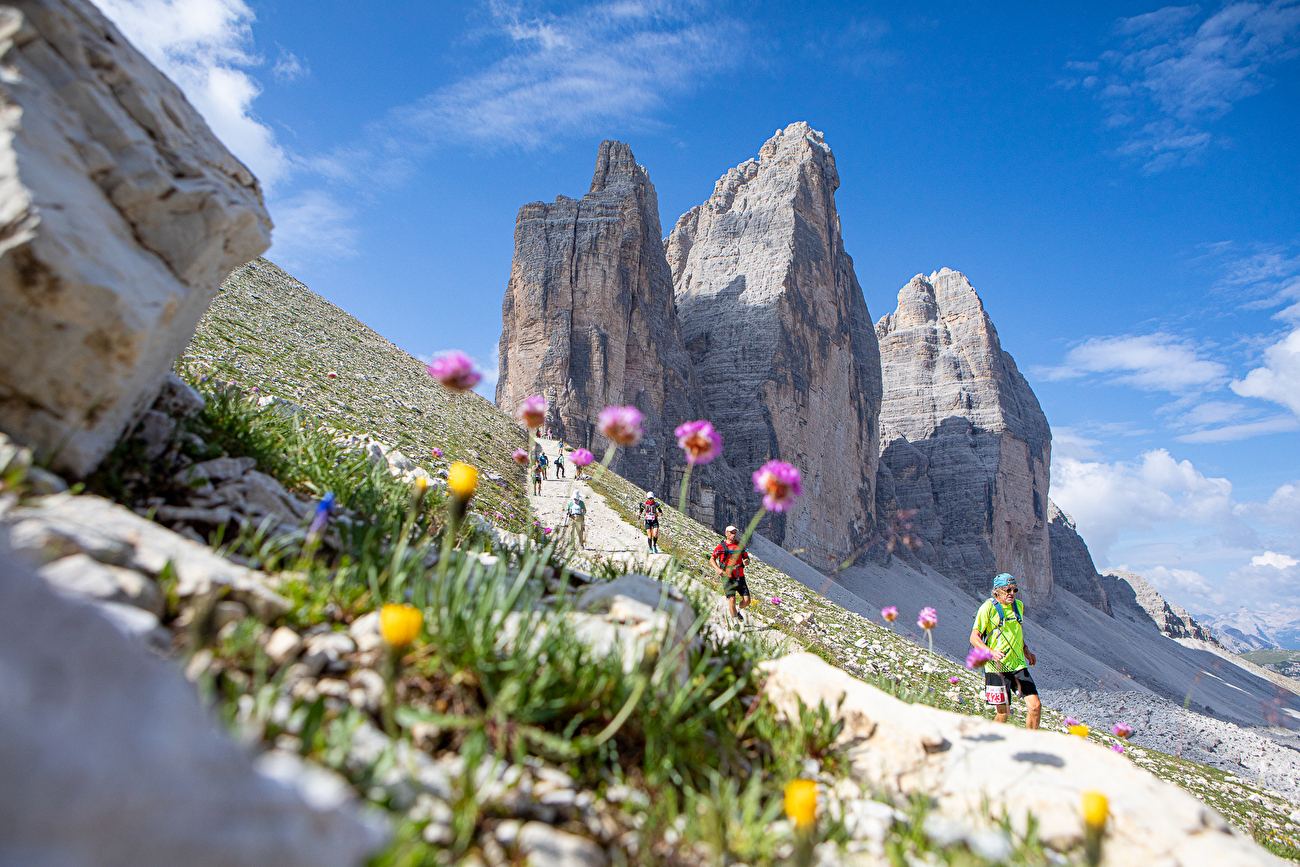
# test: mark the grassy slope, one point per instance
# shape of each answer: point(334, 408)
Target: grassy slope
point(268, 331)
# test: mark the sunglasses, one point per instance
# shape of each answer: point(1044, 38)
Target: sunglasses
point(1012, 589)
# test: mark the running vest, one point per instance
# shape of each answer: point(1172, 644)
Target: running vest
point(650, 509)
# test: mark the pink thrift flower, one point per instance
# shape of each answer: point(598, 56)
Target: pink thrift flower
point(954, 680)
point(581, 457)
point(521, 457)
point(1069, 721)
point(890, 613)
point(1117, 748)
point(332, 375)
point(621, 424)
point(455, 370)
point(779, 483)
point(776, 600)
point(928, 618)
point(699, 440)
point(1121, 730)
point(532, 412)
point(436, 452)
point(546, 529)
point(978, 657)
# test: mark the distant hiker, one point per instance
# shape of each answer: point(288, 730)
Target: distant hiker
point(537, 478)
point(543, 462)
point(729, 561)
point(576, 512)
point(649, 511)
point(559, 463)
point(548, 433)
point(999, 629)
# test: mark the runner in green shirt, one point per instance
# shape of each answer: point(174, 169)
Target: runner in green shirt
point(999, 629)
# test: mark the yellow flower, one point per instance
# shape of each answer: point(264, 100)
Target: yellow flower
point(400, 624)
point(801, 803)
point(462, 480)
point(1080, 730)
point(1095, 808)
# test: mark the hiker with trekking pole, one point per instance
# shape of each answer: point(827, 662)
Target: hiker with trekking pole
point(999, 631)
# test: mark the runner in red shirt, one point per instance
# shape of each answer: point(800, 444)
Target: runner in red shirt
point(729, 561)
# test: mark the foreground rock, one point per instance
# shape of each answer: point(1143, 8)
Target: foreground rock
point(589, 322)
point(108, 758)
point(124, 214)
point(781, 338)
point(966, 444)
point(970, 765)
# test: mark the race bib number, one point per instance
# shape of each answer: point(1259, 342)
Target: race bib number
point(995, 694)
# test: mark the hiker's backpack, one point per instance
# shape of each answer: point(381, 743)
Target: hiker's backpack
point(650, 508)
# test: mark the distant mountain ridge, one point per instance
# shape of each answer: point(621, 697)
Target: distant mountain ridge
point(1244, 630)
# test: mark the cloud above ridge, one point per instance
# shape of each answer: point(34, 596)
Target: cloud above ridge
point(1176, 72)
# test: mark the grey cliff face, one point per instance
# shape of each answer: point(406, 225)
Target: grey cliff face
point(1072, 566)
point(781, 338)
point(589, 321)
point(965, 442)
point(1134, 599)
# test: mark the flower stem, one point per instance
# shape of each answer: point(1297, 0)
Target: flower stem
point(744, 542)
point(606, 461)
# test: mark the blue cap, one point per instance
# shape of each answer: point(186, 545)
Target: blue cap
point(1004, 579)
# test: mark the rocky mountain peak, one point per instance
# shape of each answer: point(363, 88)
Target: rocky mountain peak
point(965, 442)
point(780, 336)
point(588, 321)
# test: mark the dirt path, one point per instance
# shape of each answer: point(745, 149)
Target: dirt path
point(609, 537)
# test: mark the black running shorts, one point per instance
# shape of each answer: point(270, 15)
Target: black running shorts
point(1018, 682)
point(652, 524)
point(736, 586)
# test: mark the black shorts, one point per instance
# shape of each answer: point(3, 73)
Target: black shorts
point(652, 523)
point(1018, 682)
point(736, 586)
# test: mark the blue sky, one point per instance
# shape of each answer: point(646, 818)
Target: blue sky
point(1119, 181)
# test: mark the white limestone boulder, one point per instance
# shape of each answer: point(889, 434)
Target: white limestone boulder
point(108, 757)
point(124, 214)
point(968, 763)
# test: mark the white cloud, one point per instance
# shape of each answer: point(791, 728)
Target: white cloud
point(1154, 362)
point(1234, 432)
point(290, 67)
point(1180, 76)
point(1183, 584)
point(1106, 499)
point(1069, 444)
point(205, 46)
point(574, 72)
point(1274, 559)
point(1278, 379)
point(311, 226)
point(1281, 510)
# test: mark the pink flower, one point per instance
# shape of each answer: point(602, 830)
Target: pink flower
point(890, 613)
point(776, 600)
point(436, 452)
point(1121, 730)
point(332, 375)
point(521, 457)
point(954, 680)
point(699, 440)
point(621, 424)
point(1069, 721)
point(928, 618)
point(546, 529)
point(779, 483)
point(455, 370)
point(581, 457)
point(532, 412)
point(1117, 748)
point(978, 657)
